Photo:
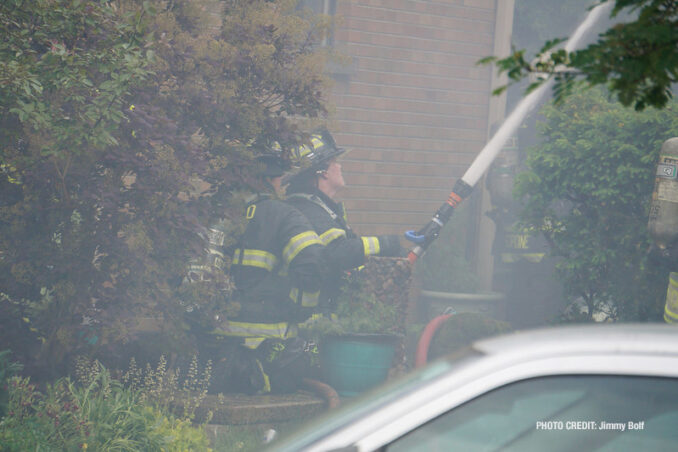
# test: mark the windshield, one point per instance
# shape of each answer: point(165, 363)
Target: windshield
point(565, 413)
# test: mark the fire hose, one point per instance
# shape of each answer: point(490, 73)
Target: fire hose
point(464, 186)
point(426, 337)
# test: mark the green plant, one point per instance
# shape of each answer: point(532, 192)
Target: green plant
point(163, 388)
point(7, 370)
point(587, 189)
point(100, 415)
point(357, 310)
point(635, 59)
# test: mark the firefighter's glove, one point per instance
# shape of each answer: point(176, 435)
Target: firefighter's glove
point(389, 246)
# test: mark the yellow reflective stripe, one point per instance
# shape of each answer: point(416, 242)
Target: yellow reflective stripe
point(302, 151)
point(331, 234)
point(297, 243)
point(308, 299)
point(671, 306)
point(673, 279)
point(316, 317)
point(370, 245)
point(280, 330)
point(255, 258)
point(316, 142)
point(511, 258)
point(534, 257)
point(253, 342)
point(344, 212)
point(267, 381)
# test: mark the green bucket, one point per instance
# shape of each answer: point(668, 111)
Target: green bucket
point(354, 363)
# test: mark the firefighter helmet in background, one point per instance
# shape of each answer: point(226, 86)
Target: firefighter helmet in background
point(315, 155)
point(272, 160)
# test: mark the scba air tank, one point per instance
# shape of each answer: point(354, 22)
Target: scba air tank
point(663, 222)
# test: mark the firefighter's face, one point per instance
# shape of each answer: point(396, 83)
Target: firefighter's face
point(334, 176)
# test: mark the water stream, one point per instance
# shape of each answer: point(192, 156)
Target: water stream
point(487, 155)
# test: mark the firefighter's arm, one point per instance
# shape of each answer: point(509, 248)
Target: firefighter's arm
point(302, 251)
point(351, 252)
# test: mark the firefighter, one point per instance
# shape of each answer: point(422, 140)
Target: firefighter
point(276, 270)
point(663, 222)
point(671, 305)
point(667, 257)
point(312, 190)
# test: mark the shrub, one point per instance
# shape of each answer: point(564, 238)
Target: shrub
point(7, 370)
point(587, 189)
point(125, 127)
point(101, 415)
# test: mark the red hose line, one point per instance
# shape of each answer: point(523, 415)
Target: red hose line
point(325, 390)
point(421, 355)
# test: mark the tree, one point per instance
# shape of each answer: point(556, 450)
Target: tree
point(125, 127)
point(637, 60)
point(67, 71)
point(587, 188)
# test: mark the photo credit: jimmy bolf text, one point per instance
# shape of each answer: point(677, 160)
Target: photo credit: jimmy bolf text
point(590, 425)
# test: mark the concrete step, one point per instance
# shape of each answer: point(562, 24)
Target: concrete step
point(240, 409)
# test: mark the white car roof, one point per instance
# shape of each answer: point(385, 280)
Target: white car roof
point(647, 338)
point(591, 349)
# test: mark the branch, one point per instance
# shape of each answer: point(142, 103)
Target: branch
point(62, 175)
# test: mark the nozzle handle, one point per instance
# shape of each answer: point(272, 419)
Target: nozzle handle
point(415, 237)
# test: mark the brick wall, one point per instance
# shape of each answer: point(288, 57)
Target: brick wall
point(414, 107)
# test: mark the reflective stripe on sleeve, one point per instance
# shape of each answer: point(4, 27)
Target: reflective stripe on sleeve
point(370, 245)
point(297, 243)
point(255, 258)
point(331, 235)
